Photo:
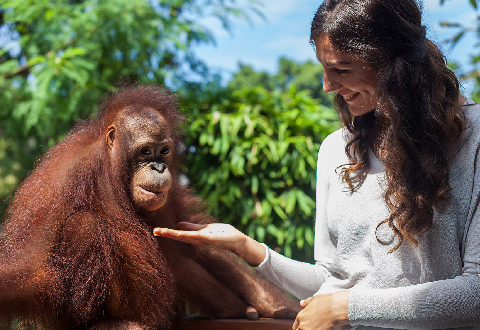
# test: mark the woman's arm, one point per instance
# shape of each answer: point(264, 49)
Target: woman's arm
point(436, 305)
point(299, 278)
point(449, 303)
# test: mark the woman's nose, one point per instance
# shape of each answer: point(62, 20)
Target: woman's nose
point(330, 85)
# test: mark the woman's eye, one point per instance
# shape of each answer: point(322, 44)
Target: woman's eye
point(342, 72)
point(165, 150)
point(146, 151)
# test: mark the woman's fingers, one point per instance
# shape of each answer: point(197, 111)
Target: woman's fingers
point(305, 302)
point(192, 230)
point(295, 324)
point(183, 230)
point(174, 232)
point(187, 237)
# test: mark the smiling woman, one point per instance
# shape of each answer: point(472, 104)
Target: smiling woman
point(353, 79)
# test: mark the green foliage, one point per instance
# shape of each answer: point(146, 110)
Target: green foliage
point(472, 74)
point(253, 158)
point(472, 2)
point(304, 76)
point(255, 145)
point(59, 58)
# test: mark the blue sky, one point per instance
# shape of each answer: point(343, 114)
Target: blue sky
point(286, 30)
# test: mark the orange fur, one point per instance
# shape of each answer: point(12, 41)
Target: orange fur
point(75, 254)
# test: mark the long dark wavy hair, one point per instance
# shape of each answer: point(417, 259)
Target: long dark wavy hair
point(418, 108)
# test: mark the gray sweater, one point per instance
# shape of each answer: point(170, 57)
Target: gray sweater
point(433, 286)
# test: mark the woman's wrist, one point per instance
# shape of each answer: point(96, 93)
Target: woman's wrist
point(340, 302)
point(251, 251)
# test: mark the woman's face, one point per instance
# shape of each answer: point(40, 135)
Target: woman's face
point(352, 78)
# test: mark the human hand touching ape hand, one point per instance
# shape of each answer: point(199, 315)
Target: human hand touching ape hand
point(217, 235)
point(323, 312)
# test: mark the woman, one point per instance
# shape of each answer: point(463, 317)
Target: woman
point(397, 238)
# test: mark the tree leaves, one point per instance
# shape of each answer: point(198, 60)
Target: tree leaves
point(264, 143)
point(472, 74)
point(472, 2)
point(63, 56)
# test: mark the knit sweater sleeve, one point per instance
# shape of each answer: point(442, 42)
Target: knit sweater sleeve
point(442, 304)
point(299, 278)
point(449, 303)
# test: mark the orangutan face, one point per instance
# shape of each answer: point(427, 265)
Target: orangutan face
point(147, 140)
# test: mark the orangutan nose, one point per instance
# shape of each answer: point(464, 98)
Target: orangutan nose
point(159, 167)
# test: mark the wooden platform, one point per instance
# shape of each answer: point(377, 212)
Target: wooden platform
point(234, 324)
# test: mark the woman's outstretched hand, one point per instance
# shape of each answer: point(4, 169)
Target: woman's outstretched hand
point(217, 235)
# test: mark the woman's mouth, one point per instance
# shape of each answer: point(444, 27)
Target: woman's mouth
point(350, 97)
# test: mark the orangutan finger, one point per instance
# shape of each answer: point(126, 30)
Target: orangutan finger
point(251, 313)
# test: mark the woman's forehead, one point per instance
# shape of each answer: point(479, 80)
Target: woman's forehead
point(328, 55)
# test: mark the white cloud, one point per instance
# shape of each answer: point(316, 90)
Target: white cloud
point(292, 47)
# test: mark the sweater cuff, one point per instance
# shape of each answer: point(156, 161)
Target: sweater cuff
point(266, 260)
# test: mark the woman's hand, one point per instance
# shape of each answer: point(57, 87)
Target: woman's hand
point(217, 235)
point(322, 312)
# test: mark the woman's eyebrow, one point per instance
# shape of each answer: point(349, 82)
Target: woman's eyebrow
point(337, 63)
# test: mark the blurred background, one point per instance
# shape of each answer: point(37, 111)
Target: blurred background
point(244, 72)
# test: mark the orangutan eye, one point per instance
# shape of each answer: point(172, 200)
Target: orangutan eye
point(165, 150)
point(146, 151)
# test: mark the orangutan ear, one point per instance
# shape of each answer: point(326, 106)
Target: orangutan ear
point(111, 136)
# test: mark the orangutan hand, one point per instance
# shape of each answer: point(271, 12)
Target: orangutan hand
point(323, 312)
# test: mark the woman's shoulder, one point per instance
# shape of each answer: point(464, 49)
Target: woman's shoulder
point(333, 147)
point(336, 139)
point(471, 111)
point(468, 143)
